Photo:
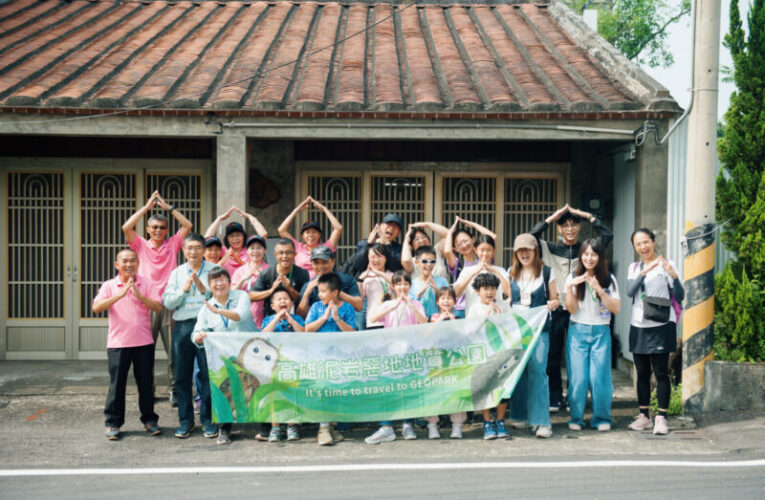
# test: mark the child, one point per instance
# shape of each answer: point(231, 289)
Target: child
point(282, 321)
point(425, 286)
point(486, 286)
point(397, 312)
point(330, 314)
point(445, 299)
point(592, 296)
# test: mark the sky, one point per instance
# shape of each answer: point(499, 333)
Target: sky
point(678, 77)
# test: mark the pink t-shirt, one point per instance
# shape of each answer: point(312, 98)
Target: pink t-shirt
point(231, 265)
point(374, 289)
point(156, 264)
point(129, 318)
point(255, 307)
point(402, 315)
point(303, 256)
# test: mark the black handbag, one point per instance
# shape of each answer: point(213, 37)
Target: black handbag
point(656, 309)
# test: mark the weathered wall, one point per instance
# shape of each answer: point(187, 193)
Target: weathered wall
point(274, 161)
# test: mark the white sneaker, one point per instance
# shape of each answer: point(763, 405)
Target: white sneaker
point(433, 431)
point(382, 435)
point(640, 423)
point(544, 431)
point(604, 427)
point(456, 431)
point(574, 427)
point(660, 425)
point(407, 430)
point(517, 424)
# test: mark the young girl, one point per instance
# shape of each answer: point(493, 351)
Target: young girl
point(532, 284)
point(311, 234)
point(282, 321)
point(376, 285)
point(234, 251)
point(592, 296)
point(245, 276)
point(445, 300)
point(485, 286)
point(397, 312)
point(652, 341)
point(485, 251)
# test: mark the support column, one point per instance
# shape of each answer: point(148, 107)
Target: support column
point(701, 167)
point(231, 173)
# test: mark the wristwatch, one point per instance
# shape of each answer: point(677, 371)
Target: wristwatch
point(172, 207)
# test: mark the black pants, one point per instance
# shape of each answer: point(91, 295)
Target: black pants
point(558, 329)
point(142, 358)
point(660, 365)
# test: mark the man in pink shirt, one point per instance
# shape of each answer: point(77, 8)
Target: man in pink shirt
point(157, 257)
point(129, 298)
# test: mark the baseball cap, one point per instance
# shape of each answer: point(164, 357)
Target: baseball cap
point(311, 224)
point(213, 241)
point(255, 239)
point(322, 252)
point(524, 240)
point(396, 219)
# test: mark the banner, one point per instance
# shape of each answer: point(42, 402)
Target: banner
point(387, 374)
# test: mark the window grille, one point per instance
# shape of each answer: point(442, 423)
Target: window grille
point(183, 191)
point(527, 201)
point(402, 195)
point(36, 245)
point(473, 198)
point(342, 196)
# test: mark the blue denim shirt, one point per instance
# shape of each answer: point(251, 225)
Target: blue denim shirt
point(186, 304)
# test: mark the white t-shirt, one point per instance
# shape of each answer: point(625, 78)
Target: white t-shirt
point(471, 295)
point(657, 283)
point(591, 310)
point(481, 310)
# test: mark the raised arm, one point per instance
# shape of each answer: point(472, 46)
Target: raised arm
point(478, 228)
point(448, 249)
point(438, 229)
point(259, 228)
point(186, 224)
point(406, 252)
point(337, 228)
point(129, 226)
point(284, 227)
point(212, 230)
point(604, 234)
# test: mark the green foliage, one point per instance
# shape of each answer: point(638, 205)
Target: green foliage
point(740, 288)
point(739, 321)
point(675, 401)
point(638, 28)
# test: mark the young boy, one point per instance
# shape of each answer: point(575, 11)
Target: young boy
point(129, 298)
point(426, 285)
point(330, 315)
point(282, 321)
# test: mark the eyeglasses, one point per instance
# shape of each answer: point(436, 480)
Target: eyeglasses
point(157, 227)
point(428, 261)
point(570, 224)
point(194, 248)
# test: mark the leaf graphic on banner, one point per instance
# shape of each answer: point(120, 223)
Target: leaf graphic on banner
point(237, 393)
point(493, 336)
point(221, 410)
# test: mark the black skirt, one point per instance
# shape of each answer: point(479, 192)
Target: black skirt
point(656, 340)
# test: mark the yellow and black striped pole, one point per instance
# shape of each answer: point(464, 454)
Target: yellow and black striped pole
point(699, 315)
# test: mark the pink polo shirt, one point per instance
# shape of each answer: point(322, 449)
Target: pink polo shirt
point(156, 264)
point(303, 256)
point(129, 318)
point(231, 265)
point(255, 307)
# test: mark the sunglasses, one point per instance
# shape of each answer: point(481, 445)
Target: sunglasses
point(428, 261)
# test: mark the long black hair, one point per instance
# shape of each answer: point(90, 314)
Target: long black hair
point(601, 268)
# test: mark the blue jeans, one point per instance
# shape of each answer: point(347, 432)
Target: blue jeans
point(588, 361)
point(530, 400)
point(185, 351)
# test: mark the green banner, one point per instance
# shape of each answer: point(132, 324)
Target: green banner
point(387, 374)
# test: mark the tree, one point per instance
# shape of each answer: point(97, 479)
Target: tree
point(638, 28)
point(740, 288)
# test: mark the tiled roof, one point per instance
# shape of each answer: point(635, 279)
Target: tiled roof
point(350, 57)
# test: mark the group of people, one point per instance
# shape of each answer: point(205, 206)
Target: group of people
point(228, 285)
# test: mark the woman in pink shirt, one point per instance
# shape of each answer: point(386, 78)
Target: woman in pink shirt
point(311, 234)
point(234, 250)
point(245, 276)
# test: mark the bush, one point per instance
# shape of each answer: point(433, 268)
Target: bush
point(675, 401)
point(739, 322)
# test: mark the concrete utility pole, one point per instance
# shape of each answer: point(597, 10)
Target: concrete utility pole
point(701, 169)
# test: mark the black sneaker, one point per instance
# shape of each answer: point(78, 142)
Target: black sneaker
point(224, 437)
point(152, 428)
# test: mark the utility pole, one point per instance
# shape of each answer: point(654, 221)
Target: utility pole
point(701, 170)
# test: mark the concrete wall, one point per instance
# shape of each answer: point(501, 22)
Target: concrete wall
point(274, 160)
point(734, 386)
